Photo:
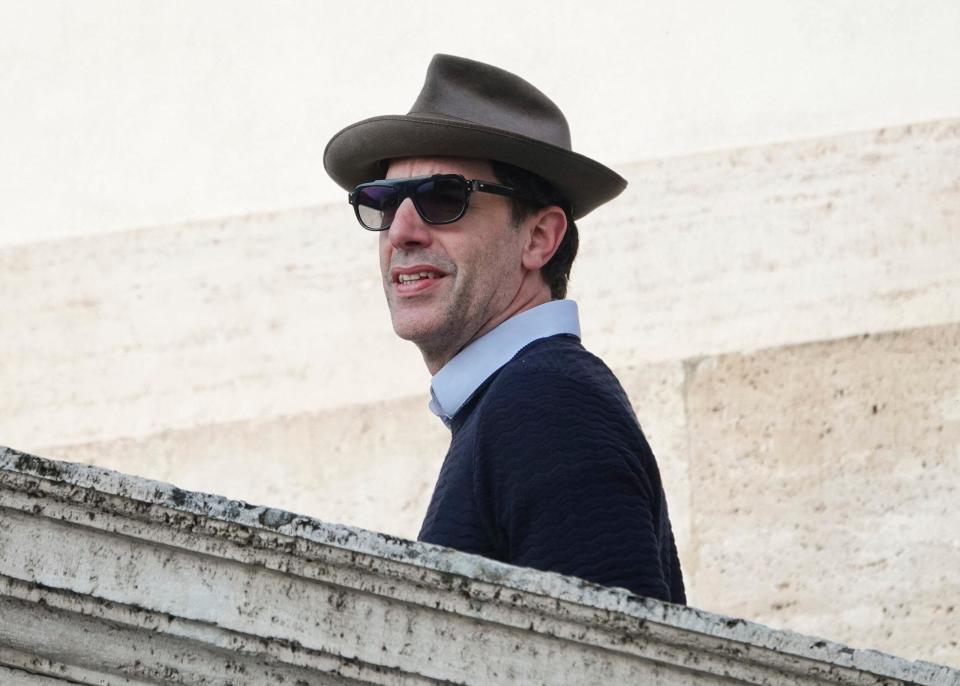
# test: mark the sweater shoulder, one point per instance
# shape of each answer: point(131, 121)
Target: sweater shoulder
point(558, 364)
point(555, 373)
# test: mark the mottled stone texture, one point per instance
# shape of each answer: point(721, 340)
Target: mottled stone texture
point(824, 483)
point(109, 579)
point(773, 245)
point(369, 465)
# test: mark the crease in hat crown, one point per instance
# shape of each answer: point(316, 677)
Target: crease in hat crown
point(471, 109)
point(479, 93)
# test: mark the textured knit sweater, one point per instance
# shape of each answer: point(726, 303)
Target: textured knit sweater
point(548, 468)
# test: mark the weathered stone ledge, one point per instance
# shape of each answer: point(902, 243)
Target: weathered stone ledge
point(107, 578)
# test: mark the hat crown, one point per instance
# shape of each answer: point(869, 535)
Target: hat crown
point(465, 90)
point(475, 110)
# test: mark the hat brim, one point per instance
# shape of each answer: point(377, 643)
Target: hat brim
point(357, 153)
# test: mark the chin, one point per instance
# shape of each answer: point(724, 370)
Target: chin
point(413, 328)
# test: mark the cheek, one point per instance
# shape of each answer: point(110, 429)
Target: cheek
point(504, 256)
point(495, 272)
point(384, 250)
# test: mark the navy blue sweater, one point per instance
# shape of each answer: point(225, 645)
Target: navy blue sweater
point(548, 468)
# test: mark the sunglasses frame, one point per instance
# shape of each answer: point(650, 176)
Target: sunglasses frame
point(407, 188)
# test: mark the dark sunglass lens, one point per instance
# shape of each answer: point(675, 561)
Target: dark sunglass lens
point(441, 200)
point(376, 206)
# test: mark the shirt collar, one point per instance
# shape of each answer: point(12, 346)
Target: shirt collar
point(458, 379)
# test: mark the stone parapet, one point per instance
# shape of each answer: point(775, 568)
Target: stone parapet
point(109, 579)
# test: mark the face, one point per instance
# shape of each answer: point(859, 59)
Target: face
point(472, 266)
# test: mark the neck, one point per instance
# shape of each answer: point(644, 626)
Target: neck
point(526, 299)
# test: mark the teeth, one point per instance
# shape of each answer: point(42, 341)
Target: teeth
point(404, 278)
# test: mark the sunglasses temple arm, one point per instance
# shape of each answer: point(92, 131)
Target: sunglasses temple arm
point(487, 187)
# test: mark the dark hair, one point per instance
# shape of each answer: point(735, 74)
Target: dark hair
point(536, 193)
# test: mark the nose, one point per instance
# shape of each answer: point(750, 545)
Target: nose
point(408, 230)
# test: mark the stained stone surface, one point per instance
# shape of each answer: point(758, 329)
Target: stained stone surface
point(824, 481)
point(369, 465)
point(110, 579)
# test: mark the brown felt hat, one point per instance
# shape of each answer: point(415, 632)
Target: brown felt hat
point(472, 109)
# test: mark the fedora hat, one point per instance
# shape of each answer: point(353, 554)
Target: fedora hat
point(472, 109)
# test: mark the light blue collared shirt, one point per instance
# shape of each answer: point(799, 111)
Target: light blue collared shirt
point(458, 379)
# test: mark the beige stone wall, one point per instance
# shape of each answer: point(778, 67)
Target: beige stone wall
point(730, 291)
point(268, 315)
point(824, 480)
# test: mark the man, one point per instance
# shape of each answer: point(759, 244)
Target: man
point(475, 193)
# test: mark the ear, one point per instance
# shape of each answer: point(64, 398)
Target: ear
point(547, 229)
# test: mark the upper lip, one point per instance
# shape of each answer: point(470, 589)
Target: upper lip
point(415, 269)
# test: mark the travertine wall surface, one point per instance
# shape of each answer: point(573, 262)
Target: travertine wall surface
point(729, 291)
point(270, 315)
point(824, 482)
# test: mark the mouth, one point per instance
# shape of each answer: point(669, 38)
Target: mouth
point(408, 278)
point(416, 279)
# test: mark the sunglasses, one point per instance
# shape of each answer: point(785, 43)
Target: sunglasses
point(438, 199)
